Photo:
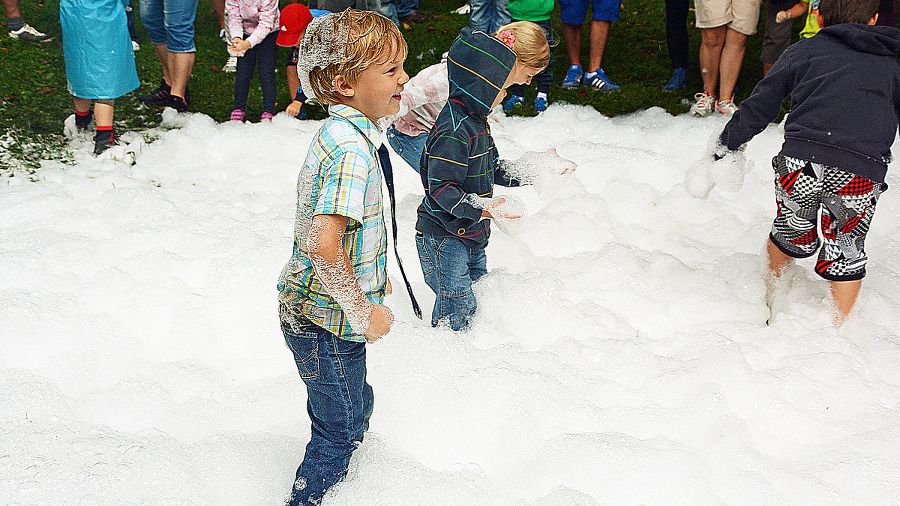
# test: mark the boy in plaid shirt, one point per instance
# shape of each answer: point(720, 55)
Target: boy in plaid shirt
point(331, 290)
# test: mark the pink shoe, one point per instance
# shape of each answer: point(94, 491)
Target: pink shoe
point(237, 115)
point(266, 116)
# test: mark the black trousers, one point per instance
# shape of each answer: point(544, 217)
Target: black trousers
point(263, 55)
point(676, 32)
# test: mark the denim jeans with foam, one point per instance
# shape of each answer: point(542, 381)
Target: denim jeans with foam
point(339, 406)
point(450, 267)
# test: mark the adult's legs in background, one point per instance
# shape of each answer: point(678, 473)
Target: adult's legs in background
point(731, 61)
point(599, 36)
point(676, 32)
point(713, 41)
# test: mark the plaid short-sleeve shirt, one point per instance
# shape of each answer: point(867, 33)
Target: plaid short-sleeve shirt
point(341, 175)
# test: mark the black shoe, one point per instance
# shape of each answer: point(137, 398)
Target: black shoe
point(178, 103)
point(82, 123)
point(105, 139)
point(158, 97)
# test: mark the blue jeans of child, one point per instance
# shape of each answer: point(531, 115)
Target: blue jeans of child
point(407, 146)
point(339, 406)
point(450, 267)
point(488, 15)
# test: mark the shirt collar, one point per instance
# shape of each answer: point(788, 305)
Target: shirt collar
point(359, 120)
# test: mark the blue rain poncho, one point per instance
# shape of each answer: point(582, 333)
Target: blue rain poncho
point(97, 48)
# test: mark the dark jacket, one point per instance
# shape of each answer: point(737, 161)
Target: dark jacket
point(460, 161)
point(844, 85)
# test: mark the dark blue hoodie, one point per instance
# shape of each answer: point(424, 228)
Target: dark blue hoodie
point(844, 85)
point(460, 161)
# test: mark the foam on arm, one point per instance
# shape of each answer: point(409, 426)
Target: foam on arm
point(332, 266)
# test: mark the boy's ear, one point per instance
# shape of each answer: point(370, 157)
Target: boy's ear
point(343, 87)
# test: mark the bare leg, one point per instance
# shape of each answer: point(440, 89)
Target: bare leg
point(844, 294)
point(599, 36)
point(219, 6)
point(766, 68)
point(730, 64)
point(180, 67)
point(103, 112)
point(777, 259)
point(713, 41)
point(572, 36)
point(82, 105)
point(12, 8)
point(162, 54)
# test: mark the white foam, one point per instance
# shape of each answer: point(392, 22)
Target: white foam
point(619, 356)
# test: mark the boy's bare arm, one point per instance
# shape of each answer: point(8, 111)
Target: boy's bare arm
point(293, 81)
point(333, 267)
point(796, 11)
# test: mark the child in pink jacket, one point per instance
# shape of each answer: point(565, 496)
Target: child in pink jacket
point(256, 21)
point(421, 101)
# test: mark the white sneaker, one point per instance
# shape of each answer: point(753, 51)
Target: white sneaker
point(726, 107)
point(29, 34)
point(135, 46)
point(230, 65)
point(704, 104)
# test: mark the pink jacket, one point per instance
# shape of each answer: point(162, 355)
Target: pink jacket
point(259, 18)
point(422, 99)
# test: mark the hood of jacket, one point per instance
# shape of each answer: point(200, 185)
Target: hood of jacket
point(477, 66)
point(879, 40)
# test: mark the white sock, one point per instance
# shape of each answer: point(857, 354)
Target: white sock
point(542, 95)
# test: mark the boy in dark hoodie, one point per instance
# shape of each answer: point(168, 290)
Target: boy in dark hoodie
point(460, 165)
point(844, 85)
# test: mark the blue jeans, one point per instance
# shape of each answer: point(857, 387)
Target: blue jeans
point(450, 267)
point(405, 7)
point(339, 406)
point(386, 8)
point(170, 22)
point(488, 15)
point(408, 147)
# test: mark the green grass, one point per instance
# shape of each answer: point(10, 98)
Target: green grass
point(34, 101)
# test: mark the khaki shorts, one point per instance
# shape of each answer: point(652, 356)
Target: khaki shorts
point(740, 15)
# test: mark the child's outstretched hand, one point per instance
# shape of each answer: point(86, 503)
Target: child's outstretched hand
point(782, 16)
point(557, 164)
point(380, 322)
point(508, 208)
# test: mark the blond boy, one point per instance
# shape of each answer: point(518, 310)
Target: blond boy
point(331, 290)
